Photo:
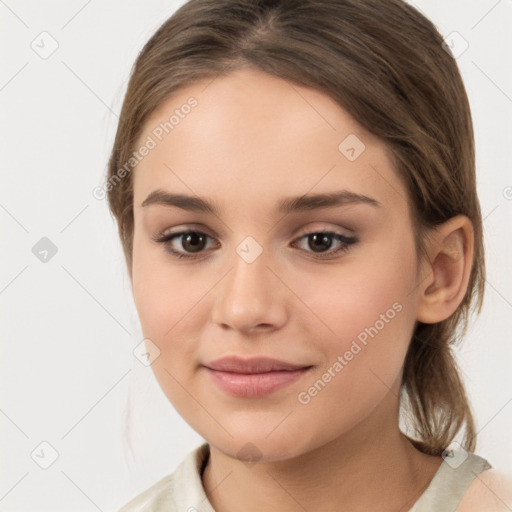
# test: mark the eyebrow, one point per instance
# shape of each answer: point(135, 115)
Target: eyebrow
point(285, 206)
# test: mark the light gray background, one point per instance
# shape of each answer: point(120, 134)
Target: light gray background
point(69, 325)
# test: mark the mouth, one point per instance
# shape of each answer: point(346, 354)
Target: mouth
point(255, 377)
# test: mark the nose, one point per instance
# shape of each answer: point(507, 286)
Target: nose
point(250, 297)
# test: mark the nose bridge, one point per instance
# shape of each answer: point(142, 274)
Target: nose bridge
point(250, 273)
point(249, 295)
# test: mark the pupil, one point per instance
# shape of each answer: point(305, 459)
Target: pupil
point(324, 241)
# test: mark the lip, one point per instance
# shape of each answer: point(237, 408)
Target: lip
point(254, 377)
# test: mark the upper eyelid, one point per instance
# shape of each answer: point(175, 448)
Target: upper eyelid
point(300, 234)
point(317, 228)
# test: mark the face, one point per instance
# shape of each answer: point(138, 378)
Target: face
point(326, 289)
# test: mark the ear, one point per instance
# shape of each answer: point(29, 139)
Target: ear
point(450, 254)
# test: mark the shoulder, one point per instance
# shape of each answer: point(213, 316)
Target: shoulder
point(491, 491)
point(156, 498)
point(175, 491)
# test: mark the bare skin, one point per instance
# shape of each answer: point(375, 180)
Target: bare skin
point(251, 141)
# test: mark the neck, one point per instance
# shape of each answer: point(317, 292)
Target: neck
point(371, 467)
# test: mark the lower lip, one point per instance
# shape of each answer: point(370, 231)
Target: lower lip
point(255, 384)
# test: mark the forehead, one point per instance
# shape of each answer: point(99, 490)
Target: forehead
point(259, 136)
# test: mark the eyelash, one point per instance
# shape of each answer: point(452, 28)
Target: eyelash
point(344, 240)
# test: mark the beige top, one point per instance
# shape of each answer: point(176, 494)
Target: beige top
point(183, 491)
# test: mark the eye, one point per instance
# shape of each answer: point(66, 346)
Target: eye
point(319, 240)
point(193, 242)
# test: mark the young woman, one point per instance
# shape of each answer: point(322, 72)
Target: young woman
point(294, 185)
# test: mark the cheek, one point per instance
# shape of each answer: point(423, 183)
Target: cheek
point(158, 291)
point(170, 309)
point(352, 296)
point(168, 316)
point(365, 313)
point(148, 293)
point(372, 318)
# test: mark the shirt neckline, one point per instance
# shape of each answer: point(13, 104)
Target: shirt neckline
point(201, 457)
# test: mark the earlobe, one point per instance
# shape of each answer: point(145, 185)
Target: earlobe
point(448, 270)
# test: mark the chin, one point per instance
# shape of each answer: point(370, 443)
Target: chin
point(254, 445)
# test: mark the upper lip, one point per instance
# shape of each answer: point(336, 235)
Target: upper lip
point(252, 365)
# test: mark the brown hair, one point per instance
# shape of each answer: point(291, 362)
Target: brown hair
point(386, 65)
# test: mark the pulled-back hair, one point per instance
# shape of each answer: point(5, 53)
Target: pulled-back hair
point(386, 65)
